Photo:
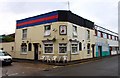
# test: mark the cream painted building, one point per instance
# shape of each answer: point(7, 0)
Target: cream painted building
point(58, 33)
point(9, 47)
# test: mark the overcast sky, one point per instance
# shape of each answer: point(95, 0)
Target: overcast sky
point(103, 12)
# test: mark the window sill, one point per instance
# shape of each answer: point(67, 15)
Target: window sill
point(62, 53)
point(48, 53)
point(74, 53)
point(23, 53)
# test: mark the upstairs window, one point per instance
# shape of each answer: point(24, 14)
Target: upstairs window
point(104, 35)
point(99, 34)
point(74, 31)
point(47, 29)
point(109, 36)
point(24, 34)
point(88, 34)
point(113, 37)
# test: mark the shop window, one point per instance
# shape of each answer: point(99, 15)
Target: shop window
point(23, 48)
point(47, 29)
point(29, 47)
point(48, 48)
point(74, 31)
point(62, 48)
point(88, 34)
point(24, 34)
point(88, 48)
point(74, 48)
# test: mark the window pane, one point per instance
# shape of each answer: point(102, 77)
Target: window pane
point(48, 48)
point(47, 27)
point(24, 34)
point(62, 48)
point(74, 48)
point(74, 31)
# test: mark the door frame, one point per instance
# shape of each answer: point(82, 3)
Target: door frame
point(100, 53)
point(93, 50)
point(36, 51)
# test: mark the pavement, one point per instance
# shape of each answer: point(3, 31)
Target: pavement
point(23, 69)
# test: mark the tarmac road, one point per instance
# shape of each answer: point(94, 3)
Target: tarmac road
point(103, 67)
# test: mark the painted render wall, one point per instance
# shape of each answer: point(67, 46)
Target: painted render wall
point(105, 47)
point(36, 35)
point(113, 43)
point(7, 46)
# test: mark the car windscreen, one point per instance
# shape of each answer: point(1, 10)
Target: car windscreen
point(4, 54)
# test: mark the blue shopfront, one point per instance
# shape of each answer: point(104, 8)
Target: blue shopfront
point(102, 49)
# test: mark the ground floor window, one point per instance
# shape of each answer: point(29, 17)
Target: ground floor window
point(74, 48)
point(48, 48)
point(24, 48)
point(62, 48)
point(88, 48)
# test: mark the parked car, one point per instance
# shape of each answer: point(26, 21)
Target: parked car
point(5, 58)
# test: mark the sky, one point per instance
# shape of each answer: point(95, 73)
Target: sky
point(102, 12)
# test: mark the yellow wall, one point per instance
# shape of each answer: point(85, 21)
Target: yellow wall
point(7, 46)
point(35, 34)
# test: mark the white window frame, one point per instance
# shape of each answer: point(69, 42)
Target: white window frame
point(24, 34)
point(62, 46)
point(47, 30)
point(74, 31)
point(23, 52)
point(77, 47)
point(44, 47)
point(88, 34)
